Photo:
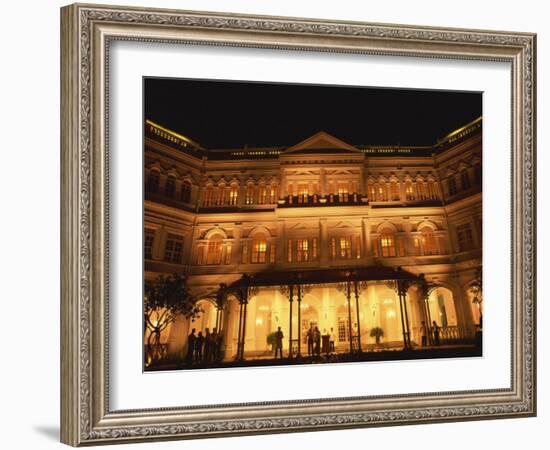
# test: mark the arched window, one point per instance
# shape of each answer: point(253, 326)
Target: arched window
point(273, 194)
point(214, 250)
point(186, 192)
point(234, 195)
point(259, 249)
point(371, 192)
point(170, 186)
point(262, 194)
point(249, 195)
point(387, 243)
point(153, 183)
point(394, 189)
point(428, 240)
point(221, 195)
point(409, 190)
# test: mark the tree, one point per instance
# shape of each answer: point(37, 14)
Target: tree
point(165, 298)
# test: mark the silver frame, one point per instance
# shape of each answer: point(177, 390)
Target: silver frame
point(86, 31)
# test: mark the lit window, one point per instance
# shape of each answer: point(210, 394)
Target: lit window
point(249, 196)
point(303, 192)
point(465, 238)
point(387, 242)
point(302, 248)
point(262, 194)
point(345, 247)
point(409, 191)
point(148, 243)
point(173, 250)
point(273, 194)
point(429, 243)
point(259, 250)
point(371, 192)
point(170, 186)
point(214, 250)
point(234, 195)
point(186, 192)
point(289, 250)
point(343, 192)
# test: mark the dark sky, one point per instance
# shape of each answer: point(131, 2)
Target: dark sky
point(220, 114)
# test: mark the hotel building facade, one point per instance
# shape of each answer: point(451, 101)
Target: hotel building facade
point(345, 237)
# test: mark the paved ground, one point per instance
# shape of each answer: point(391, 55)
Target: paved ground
point(448, 351)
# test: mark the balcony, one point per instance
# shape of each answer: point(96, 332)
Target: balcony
point(298, 201)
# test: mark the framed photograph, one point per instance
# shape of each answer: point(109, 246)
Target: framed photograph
point(276, 225)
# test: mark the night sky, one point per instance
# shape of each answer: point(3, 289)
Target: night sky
point(220, 114)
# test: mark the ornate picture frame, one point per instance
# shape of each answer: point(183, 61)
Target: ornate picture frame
point(87, 31)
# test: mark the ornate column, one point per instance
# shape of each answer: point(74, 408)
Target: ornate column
point(367, 241)
point(348, 295)
point(401, 286)
point(357, 290)
point(299, 298)
point(323, 243)
point(290, 293)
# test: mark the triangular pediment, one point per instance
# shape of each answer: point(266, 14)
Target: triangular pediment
point(322, 141)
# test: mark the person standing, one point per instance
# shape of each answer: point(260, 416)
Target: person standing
point(190, 347)
point(423, 334)
point(436, 333)
point(214, 345)
point(310, 340)
point(279, 342)
point(332, 340)
point(199, 343)
point(317, 340)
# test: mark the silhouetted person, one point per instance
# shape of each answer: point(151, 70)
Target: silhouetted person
point(199, 344)
point(310, 340)
point(317, 340)
point(423, 334)
point(214, 345)
point(190, 347)
point(279, 342)
point(207, 345)
point(436, 333)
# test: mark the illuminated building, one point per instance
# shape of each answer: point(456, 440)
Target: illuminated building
point(318, 218)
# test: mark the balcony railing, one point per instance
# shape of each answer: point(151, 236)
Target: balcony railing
point(293, 201)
